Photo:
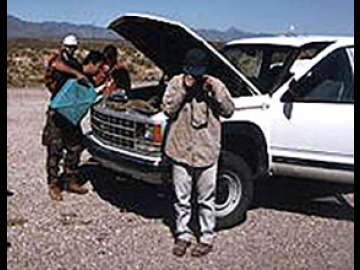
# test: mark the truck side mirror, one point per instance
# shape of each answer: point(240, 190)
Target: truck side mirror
point(288, 99)
point(289, 95)
point(288, 109)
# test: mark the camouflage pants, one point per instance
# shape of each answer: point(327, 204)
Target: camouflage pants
point(64, 142)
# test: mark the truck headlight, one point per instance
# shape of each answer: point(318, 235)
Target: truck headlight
point(154, 133)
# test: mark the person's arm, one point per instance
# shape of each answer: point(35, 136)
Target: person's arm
point(221, 96)
point(174, 97)
point(62, 67)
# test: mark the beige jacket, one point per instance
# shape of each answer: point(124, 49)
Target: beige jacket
point(195, 129)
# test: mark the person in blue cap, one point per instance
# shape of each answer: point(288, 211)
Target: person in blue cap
point(194, 103)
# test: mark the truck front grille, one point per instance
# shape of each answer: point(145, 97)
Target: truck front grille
point(124, 132)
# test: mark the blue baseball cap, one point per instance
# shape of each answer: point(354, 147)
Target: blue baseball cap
point(196, 61)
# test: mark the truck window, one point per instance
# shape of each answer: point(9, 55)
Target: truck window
point(331, 81)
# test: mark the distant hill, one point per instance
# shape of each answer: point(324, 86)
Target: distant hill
point(19, 28)
point(23, 29)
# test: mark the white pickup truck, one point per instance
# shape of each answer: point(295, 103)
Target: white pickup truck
point(294, 115)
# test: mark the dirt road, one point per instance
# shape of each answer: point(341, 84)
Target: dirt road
point(122, 225)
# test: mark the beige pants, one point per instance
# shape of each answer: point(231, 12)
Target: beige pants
point(204, 180)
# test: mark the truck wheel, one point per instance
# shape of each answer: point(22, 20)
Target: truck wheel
point(234, 190)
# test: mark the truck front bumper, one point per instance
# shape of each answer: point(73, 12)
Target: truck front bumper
point(148, 169)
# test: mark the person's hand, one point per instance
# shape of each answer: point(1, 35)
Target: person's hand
point(83, 80)
point(209, 89)
point(189, 81)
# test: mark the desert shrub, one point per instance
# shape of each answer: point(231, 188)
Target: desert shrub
point(26, 59)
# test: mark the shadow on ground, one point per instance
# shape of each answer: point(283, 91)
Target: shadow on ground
point(282, 194)
point(304, 196)
point(129, 195)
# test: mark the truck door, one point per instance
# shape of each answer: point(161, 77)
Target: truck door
point(314, 122)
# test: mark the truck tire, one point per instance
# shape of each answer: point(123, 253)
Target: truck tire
point(234, 192)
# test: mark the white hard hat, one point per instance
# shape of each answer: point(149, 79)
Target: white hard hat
point(70, 40)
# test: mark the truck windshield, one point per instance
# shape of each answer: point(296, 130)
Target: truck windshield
point(269, 66)
point(262, 65)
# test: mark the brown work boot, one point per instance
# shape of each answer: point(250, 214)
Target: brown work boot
point(180, 247)
point(201, 249)
point(73, 185)
point(55, 188)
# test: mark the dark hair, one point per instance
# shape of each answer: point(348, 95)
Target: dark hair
point(110, 51)
point(94, 57)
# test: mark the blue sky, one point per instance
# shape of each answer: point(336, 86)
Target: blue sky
point(334, 17)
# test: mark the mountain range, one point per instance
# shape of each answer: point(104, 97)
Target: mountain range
point(18, 28)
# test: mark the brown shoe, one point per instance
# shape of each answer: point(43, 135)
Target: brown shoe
point(55, 189)
point(72, 185)
point(180, 247)
point(201, 249)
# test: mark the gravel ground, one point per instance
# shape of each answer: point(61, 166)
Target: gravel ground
point(126, 225)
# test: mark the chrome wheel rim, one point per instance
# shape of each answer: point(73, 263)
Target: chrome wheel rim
point(228, 193)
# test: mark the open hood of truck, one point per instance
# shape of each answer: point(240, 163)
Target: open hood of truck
point(166, 43)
